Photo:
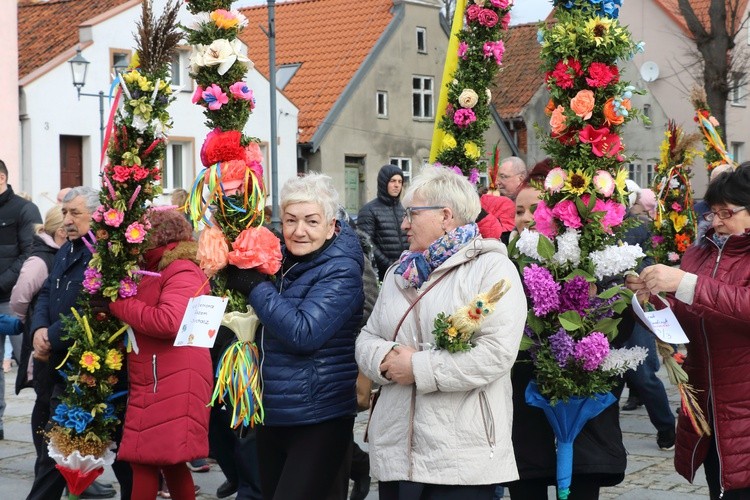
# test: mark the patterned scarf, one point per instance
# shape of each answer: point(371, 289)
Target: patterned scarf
point(416, 267)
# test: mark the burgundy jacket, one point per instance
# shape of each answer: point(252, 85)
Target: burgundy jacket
point(166, 420)
point(718, 326)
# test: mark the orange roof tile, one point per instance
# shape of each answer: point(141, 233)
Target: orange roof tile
point(700, 7)
point(330, 38)
point(521, 76)
point(47, 29)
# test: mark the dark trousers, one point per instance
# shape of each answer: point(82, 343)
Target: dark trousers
point(407, 490)
point(302, 462)
point(713, 471)
point(360, 467)
point(40, 414)
point(49, 483)
point(582, 487)
point(649, 389)
point(237, 456)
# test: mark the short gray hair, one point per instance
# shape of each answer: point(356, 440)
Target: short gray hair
point(440, 186)
point(519, 167)
point(311, 188)
point(90, 197)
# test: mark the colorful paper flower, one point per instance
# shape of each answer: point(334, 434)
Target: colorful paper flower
point(577, 182)
point(113, 360)
point(567, 212)
point(555, 180)
point(240, 90)
point(215, 97)
point(224, 19)
point(128, 288)
point(135, 233)
point(604, 184)
point(90, 361)
point(464, 117)
point(583, 104)
point(113, 218)
point(468, 98)
point(472, 151)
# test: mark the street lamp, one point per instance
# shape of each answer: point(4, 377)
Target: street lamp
point(79, 67)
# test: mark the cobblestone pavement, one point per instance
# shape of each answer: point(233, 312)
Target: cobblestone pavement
point(650, 473)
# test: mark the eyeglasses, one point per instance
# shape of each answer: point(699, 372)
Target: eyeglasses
point(410, 211)
point(723, 214)
point(506, 177)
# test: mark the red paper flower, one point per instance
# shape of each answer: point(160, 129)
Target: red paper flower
point(565, 73)
point(222, 146)
point(120, 173)
point(256, 247)
point(601, 74)
point(78, 481)
point(603, 143)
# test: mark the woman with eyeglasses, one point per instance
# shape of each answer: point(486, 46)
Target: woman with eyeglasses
point(441, 428)
point(710, 295)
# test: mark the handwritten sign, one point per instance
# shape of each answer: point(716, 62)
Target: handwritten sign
point(201, 321)
point(662, 323)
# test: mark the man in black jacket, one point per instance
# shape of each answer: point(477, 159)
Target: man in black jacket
point(17, 219)
point(381, 218)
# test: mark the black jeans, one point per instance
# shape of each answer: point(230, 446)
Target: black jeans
point(302, 462)
point(408, 490)
point(582, 487)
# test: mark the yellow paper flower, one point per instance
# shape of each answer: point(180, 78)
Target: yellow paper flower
point(114, 359)
point(90, 361)
point(449, 142)
point(578, 182)
point(471, 150)
point(555, 180)
point(620, 178)
point(224, 19)
point(597, 29)
point(678, 221)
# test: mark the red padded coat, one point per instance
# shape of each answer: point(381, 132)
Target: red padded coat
point(718, 326)
point(166, 420)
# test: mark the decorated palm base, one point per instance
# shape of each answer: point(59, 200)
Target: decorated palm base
point(80, 460)
point(567, 418)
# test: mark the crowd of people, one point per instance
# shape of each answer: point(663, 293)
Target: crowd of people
point(346, 307)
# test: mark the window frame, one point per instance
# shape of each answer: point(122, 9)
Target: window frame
point(737, 91)
point(400, 162)
point(421, 30)
point(182, 55)
point(188, 164)
point(423, 94)
point(384, 95)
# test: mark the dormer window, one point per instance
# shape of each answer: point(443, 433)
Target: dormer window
point(422, 40)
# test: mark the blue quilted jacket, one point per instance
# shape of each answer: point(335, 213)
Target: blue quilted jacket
point(310, 319)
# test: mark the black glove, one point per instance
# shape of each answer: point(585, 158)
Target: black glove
point(482, 215)
point(99, 304)
point(243, 280)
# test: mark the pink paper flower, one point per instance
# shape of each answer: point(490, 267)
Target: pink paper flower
point(472, 12)
point(240, 91)
point(567, 212)
point(98, 214)
point(463, 48)
point(604, 183)
point(614, 213)
point(676, 207)
point(555, 180)
point(494, 49)
point(121, 173)
point(135, 233)
point(215, 97)
point(198, 94)
point(544, 219)
point(500, 4)
point(487, 18)
point(128, 288)
point(464, 117)
point(113, 218)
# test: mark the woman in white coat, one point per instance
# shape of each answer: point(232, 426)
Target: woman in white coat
point(441, 428)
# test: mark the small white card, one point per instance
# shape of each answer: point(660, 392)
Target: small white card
point(662, 323)
point(201, 321)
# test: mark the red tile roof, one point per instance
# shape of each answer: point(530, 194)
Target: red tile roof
point(48, 29)
point(521, 76)
point(330, 38)
point(700, 7)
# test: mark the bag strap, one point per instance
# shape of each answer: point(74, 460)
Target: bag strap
point(411, 306)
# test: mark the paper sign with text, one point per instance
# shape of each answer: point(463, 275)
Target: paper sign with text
point(662, 323)
point(201, 321)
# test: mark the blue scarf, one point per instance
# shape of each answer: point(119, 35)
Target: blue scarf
point(416, 267)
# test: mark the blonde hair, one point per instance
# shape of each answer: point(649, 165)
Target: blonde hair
point(53, 220)
point(179, 197)
point(440, 186)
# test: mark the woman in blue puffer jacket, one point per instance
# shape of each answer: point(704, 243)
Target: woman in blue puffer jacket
point(310, 317)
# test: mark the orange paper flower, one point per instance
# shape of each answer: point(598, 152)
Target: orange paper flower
point(682, 241)
point(557, 120)
point(256, 247)
point(610, 115)
point(583, 104)
point(212, 250)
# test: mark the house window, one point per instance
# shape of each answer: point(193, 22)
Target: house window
point(404, 164)
point(382, 104)
point(422, 40)
point(737, 152)
point(737, 91)
point(119, 60)
point(634, 172)
point(179, 71)
point(284, 74)
point(422, 97)
point(178, 165)
point(650, 168)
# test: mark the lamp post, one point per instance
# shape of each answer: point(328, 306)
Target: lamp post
point(271, 34)
point(79, 67)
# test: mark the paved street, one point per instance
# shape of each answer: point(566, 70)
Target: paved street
point(650, 474)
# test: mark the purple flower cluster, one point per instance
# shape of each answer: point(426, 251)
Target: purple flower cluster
point(592, 350)
point(575, 295)
point(92, 280)
point(128, 288)
point(563, 347)
point(542, 289)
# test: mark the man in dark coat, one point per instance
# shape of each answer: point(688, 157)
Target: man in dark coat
point(381, 218)
point(17, 219)
point(59, 293)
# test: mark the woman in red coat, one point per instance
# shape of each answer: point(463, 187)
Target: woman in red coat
point(166, 421)
point(710, 295)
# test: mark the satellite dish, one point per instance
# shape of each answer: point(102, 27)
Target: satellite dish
point(649, 71)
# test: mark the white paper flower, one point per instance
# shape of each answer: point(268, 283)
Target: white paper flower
point(139, 123)
point(199, 20)
point(527, 244)
point(468, 98)
point(615, 259)
point(240, 17)
point(622, 360)
point(674, 183)
point(196, 57)
point(568, 250)
point(224, 54)
point(85, 464)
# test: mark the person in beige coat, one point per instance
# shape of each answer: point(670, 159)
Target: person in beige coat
point(441, 427)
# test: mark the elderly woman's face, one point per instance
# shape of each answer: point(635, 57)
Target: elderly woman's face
point(305, 228)
point(737, 219)
point(526, 201)
point(427, 224)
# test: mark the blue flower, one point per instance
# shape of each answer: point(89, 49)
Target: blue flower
point(61, 414)
point(78, 419)
point(539, 36)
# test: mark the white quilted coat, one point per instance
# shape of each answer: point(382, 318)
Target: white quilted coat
point(454, 425)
